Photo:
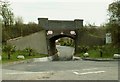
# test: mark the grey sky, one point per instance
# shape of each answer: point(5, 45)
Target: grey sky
point(91, 11)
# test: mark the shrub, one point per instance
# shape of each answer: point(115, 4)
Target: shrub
point(9, 50)
point(29, 51)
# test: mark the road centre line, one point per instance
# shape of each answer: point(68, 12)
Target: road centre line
point(94, 72)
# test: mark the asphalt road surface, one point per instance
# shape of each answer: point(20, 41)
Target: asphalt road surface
point(65, 52)
point(62, 70)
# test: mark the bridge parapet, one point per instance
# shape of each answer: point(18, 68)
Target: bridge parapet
point(60, 24)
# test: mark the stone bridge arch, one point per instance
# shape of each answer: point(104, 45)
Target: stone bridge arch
point(56, 29)
point(52, 45)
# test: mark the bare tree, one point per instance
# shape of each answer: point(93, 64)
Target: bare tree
point(6, 13)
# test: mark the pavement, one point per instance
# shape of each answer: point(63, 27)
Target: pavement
point(65, 52)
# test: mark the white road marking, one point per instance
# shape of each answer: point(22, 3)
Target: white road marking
point(90, 69)
point(76, 73)
point(92, 72)
point(88, 72)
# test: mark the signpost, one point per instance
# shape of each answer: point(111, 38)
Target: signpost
point(108, 38)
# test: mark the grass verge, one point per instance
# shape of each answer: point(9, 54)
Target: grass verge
point(94, 53)
point(15, 54)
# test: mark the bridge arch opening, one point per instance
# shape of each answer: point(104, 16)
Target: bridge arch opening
point(64, 44)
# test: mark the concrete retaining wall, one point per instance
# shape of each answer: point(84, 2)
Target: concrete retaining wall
point(90, 40)
point(36, 41)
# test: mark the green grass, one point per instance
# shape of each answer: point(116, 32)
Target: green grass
point(96, 54)
point(15, 54)
point(107, 53)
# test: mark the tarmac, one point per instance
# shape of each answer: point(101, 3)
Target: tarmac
point(79, 59)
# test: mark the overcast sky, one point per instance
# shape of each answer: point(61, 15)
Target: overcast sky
point(91, 11)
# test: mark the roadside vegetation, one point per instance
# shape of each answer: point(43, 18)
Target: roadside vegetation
point(10, 54)
point(105, 51)
point(14, 56)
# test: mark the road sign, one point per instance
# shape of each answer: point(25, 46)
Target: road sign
point(108, 38)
